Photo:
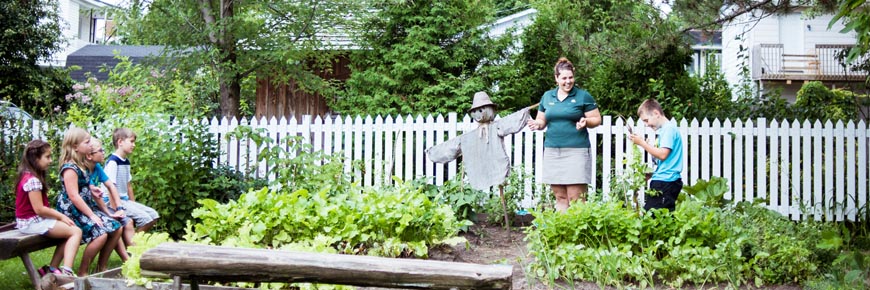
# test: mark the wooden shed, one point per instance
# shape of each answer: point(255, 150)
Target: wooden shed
point(288, 100)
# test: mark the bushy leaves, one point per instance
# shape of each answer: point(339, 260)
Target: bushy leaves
point(617, 47)
point(393, 221)
point(695, 244)
point(173, 160)
point(423, 57)
point(237, 40)
point(30, 31)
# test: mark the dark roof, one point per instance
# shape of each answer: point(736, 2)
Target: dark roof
point(92, 57)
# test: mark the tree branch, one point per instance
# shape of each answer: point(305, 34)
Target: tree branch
point(207, 16)
point(735, 14)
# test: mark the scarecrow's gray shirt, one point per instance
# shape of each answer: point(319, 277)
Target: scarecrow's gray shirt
point(482, 149)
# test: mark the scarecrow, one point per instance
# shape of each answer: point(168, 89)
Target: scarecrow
point(486, 162)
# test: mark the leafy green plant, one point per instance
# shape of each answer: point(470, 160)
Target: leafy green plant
point(143, 242)
point(393, 221)
point(710, 193)
point(700, 242)
point(455, 192)
point(514, 191)
point(632, 181)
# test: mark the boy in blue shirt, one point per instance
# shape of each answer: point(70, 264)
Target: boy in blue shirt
point(668, 154)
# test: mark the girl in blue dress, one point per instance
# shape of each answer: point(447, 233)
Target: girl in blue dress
point(77, 201)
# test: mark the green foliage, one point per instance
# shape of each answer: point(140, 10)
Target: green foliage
point(695, 244)
point(422, 58)
point(393, 221)
point(456, 193)
point(311, 203)
point(855, 18)
point(514, 192)
point(293, 163)
point(235, 40)
point(227, 183)
point(633, 178)
point(143, 242)
point(816, 102)
point(617, 46)
point(31, 32)
point(710, 193)
point(148, 101)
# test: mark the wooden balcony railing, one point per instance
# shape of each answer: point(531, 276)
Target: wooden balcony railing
point(769, 62)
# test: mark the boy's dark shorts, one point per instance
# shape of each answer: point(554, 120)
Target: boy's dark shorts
point(667, 197)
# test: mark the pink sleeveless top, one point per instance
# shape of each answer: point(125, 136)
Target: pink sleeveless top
point(23, 208)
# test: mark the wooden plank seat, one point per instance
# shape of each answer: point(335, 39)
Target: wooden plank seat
point(14, 243)
point(196, 263)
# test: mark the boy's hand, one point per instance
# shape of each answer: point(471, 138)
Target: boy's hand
point(636, 139)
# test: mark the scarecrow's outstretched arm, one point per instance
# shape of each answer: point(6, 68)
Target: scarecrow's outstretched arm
point(445, 152)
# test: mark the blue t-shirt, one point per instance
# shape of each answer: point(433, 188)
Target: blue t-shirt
point(668, 136)
point(99, 176)
point(562, 117)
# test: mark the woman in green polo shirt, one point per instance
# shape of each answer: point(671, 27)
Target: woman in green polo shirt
point(566, 111)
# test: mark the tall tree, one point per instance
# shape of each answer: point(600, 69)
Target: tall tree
point(856, 17)
point(624, 51)
point(424, 56)
point(238, 39)
point(30, 32)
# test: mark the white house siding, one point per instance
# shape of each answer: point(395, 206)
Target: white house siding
point(818, 32)
point(75, 26)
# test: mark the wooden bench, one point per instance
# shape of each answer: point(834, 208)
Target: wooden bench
point(196, 263)
point(13, 243)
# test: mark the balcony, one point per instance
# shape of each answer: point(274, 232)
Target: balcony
point(769, 62)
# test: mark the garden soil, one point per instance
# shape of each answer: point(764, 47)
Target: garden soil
point(494, 244)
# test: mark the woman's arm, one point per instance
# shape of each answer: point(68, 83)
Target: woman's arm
point(71, 184)
point(539, 123)
point(593, 118)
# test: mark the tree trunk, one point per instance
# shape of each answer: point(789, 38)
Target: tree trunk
point(230, 96)
point(230, 79)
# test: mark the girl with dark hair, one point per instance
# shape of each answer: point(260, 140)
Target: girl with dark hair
point(34, 216)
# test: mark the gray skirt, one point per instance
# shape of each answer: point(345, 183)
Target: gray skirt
point(564, 166)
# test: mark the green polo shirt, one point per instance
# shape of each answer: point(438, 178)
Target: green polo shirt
point(562, 117)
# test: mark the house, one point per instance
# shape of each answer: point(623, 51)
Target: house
point(706, 47)
point(83, 22)
point(785, 51)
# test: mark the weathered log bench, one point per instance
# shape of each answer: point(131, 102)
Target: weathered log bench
point(13, 243)
point(195, 263)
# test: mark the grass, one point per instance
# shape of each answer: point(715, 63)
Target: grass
point(14, 276)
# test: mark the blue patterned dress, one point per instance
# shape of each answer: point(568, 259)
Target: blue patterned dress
point(90, 230)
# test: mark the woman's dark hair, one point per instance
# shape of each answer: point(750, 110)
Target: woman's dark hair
point(563, 64)
point(32, 151)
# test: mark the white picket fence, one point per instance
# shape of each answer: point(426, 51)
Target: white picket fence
point(795, 168)
point(800, 169)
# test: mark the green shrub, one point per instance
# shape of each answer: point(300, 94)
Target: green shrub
point(701, 242)
point(174, 158)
